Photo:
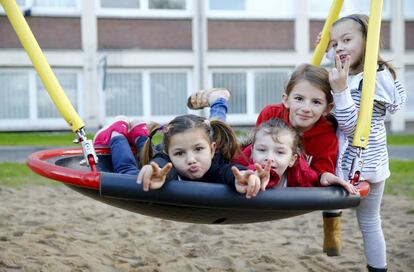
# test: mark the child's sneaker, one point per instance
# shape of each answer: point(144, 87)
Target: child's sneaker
point(137, 129)
point(205, 98)
point(103, 136)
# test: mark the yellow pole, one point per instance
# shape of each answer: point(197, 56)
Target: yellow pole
point(370, 71)
point(323, 43)
point(41, 65)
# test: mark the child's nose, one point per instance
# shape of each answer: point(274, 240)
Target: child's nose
point(190, 158)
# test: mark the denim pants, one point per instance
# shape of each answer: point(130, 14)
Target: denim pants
point(123, 160)
point(218, 109)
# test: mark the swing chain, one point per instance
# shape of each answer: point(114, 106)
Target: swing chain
point(89, 154)
point(356, 168)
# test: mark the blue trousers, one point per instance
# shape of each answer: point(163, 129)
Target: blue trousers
point(123, 160)
point(218, 109)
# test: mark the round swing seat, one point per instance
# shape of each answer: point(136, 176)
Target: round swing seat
point(186, 201)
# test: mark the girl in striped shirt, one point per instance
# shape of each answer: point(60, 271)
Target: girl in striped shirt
point(348, 40)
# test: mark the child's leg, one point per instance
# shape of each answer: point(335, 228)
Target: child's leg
point(123, 160)
point(218, 110)
point(216, 98)
point(369, 219)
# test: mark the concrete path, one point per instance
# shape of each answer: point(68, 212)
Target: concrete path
point(20, 153)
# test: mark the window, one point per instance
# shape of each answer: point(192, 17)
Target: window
point(123, 94)
point(268, 88)
point(251, 90)
point(145, 8)
point(408, 7)
point(227, 5)
point(50, 7)
point(167, 4)
point(277, 9)
point(15, 96)
point(168, 93)
point(319, 9)
point(120, 4)
point(237, 83)
point(146, 94)
point(25, 99)
point(45, 106)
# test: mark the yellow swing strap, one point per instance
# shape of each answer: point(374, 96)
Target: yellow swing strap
point(370, 71)
point(323, 43)
point(41, 65)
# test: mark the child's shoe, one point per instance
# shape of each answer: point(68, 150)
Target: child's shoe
point(137, 129)
point(103, 136)
point(205, 98)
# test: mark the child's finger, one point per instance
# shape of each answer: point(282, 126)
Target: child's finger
point(338, 64)
point(347, 65)
point(146, 180)
point(236, 173)
point(166, 169)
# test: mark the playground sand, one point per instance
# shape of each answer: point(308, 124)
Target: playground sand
point(56, 229)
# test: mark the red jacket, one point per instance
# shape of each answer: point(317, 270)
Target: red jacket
point(300, 175)
point(320, 142)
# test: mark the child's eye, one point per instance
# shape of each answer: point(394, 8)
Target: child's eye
point(346, 40)
point(199, 148)
point(317, 102)
point(178, 153)
point(298, 98)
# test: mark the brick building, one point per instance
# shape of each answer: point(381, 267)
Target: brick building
point(142, 58)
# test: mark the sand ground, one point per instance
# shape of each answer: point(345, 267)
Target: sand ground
point(52, 228)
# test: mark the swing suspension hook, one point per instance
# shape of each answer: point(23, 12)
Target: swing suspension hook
point(89, 154)
point(356, 168)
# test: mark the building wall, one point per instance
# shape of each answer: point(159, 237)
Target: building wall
point(169, 57)
point(50, 32)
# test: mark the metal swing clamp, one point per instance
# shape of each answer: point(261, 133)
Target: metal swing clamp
point(356, 168)
point(89, 154)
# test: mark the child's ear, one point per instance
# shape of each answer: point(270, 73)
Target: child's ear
point(213, 147)
point(293, 160)
point(328, 109)
point(284, 100)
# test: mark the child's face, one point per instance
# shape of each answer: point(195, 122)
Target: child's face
point(265, 148)
point(348, 40)
point(306, 104)
point(191, 153)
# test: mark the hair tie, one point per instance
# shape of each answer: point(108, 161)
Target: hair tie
point(164, 128)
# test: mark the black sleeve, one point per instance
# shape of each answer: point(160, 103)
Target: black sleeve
point(162, 159)
point(222, 171)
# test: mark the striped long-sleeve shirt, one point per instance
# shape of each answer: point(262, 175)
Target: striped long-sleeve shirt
point(389, 96)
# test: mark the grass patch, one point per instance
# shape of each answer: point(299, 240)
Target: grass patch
point(18, 174)
point(400, 182)
point(38, 138)
point(400, 139)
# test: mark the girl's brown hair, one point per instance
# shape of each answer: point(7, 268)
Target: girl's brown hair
point(362, 21)
point(275, 127)
point(317, 76)
point(215, 131)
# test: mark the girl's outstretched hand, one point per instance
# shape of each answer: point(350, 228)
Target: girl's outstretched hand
point(330, 179)
point(246, 182)
point(338, 75)
point(152, 176)
point(263, 174)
